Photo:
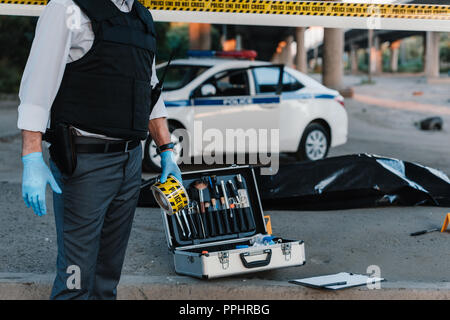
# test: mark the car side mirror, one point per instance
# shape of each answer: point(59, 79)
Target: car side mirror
point(208, 90)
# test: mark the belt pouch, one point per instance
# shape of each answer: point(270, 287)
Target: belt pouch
point(62, 148)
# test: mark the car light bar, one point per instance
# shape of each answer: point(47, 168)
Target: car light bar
point(241, 54)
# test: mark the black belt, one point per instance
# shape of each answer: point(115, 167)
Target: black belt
point(106, 146)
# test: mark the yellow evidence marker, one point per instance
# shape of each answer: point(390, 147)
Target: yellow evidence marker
point(446, 222)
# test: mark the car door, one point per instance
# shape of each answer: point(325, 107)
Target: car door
point(226, 105)
point(268, 98)
point(292, 108)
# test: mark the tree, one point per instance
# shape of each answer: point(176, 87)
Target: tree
point(16, 37)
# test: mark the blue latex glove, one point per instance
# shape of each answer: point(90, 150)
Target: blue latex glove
point(169, 166)
point(35, 177)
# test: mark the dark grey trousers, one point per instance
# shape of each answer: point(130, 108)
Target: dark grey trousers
point(93, 216)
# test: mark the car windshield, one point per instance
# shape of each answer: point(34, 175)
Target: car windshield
point(178, 76)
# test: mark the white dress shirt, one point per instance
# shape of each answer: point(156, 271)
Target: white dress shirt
point(56, 43)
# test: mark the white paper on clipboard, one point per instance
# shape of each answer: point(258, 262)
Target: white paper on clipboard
point(337, 281)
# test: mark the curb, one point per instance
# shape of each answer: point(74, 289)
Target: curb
point(26, 286)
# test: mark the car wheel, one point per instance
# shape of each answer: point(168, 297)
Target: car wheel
point(314, 144)
point(152, 161)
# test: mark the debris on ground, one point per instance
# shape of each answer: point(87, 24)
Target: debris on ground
point(431, 124)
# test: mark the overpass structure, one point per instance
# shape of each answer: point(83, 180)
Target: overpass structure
point(384, 22)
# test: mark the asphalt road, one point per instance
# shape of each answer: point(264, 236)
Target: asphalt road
point(344, 240)
point(335, 241)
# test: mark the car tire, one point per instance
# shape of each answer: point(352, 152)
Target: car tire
point(151, 161)
point(315, 143)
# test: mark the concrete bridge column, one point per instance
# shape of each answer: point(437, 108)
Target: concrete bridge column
point(300, 59)
point(286, 53)
point(378, 58)
point(432, 54)
point(375, 58)
point(238, 42)
point(353, 58)
point(332, 66)
point(395, 46)
point(371, 52)
point(199, 36)
point(283, 53)
point(315, 60)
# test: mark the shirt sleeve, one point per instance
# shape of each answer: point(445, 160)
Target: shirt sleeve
point(44, 69)
point(159, 110)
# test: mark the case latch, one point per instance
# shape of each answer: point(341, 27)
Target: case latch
point(286, 249)
point(224, 259)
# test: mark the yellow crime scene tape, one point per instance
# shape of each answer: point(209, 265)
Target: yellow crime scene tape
point(329, 14)
point(309, 8)
point(312, 8)
point(170, 195)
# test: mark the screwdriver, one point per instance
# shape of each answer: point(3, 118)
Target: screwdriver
point(243, 197)
point(223, 211)
point(238, 204)
point(228, 211)
point(214, 196)
point(418, 233)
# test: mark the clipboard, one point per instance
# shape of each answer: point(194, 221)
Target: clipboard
point(337, 281)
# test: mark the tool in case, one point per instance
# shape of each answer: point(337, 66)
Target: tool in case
point(222, 232)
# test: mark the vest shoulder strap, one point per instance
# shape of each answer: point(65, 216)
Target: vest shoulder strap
point(145, 16)
point(97, 10)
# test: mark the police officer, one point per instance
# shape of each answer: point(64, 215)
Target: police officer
point(91, 70)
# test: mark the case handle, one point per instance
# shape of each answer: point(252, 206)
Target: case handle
point(257, 263)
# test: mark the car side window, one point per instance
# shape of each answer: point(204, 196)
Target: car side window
point(290, 83)
point(266, 80)
point(225, 84)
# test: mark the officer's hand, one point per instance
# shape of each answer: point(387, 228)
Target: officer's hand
point(35, 177)
point(169, 166)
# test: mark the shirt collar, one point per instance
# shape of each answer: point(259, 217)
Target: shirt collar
point(121, 3)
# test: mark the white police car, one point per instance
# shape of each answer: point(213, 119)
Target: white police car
point(211, 92)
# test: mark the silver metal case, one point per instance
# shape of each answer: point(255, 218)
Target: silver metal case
point(218, 256)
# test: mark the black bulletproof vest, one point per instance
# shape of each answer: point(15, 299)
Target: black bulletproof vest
point(108, 90)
